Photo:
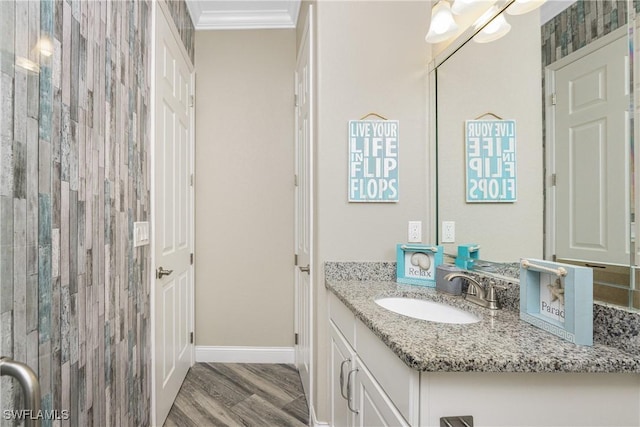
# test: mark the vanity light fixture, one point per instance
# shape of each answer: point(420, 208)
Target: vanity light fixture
point(520, 7)
point(495, 29)
point(442, 26)
point(462, 7)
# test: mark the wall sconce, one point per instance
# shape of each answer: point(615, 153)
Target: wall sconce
point(442, 24)
point(495, 29)
point(520, 7)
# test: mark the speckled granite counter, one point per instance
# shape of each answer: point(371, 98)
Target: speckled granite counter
point(500, 343)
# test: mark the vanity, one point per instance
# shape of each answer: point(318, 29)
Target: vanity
point(390, 369)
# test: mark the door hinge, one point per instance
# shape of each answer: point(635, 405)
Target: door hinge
point(553, 257)
point(633, 217)
point(191, 258)
point(554, 180)
point(554, 99)
point(191, 180)
point(295, 338)
point(295, 100)
point(295, 180)
point(191, 100)
point(295, 259)
point(191, 338)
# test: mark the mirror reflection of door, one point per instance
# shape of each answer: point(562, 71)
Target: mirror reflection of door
point(591, 154)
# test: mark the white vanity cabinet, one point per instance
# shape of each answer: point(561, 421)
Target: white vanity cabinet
point(342, 364)
point(372, 403)
point(384, 391)
point(356, 397)
point(531, 399)
point(369, 385)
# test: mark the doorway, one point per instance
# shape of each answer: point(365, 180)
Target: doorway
point(173, 213)
point(304, 269)
point(588, 136)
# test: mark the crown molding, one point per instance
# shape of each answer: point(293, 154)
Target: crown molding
point(282, 14)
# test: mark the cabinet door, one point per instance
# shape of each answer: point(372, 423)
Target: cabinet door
point(399, 382)
point(373, 406)
point(342, 362)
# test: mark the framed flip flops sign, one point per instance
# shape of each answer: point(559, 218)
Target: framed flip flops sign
point(373, 160)
point(490, 154)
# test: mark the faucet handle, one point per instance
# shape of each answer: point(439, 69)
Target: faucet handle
point(472, 288)
point(491, 291)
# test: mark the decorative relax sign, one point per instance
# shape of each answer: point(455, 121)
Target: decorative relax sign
point(491, 160)
point(373, 160)
point(416, 263)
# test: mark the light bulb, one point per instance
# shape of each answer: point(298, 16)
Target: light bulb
point(442, 24)
point(520, 7)
point(495, 29)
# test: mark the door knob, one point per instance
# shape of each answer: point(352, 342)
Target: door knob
point(161, 272)
point(306, 269)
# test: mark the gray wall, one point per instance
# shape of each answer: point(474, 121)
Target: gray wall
point(74, 293)
point(244, 189)
point(371, 57)
point(502, 77)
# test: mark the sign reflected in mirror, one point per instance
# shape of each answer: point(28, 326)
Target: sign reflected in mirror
point(565, 80)
point(490, 152)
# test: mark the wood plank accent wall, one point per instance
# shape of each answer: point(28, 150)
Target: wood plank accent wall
point(579, 25)
point(74, 176)
point(184, 24)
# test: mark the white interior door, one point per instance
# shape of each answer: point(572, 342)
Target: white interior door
point(173, 217)
point(592, 156)
point(304, 207)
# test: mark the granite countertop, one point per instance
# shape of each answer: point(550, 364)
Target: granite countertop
point(498, 343)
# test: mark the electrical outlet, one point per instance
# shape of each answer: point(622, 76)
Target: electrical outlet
point(448, 231)
point(415, 232)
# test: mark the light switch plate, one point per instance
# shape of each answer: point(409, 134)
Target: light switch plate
point(141, 233)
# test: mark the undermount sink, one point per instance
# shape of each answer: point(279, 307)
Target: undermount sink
point(427, 310)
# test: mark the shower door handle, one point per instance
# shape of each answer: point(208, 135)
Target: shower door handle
point(30, 387)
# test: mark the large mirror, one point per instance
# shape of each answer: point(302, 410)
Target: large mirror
point(561, 78)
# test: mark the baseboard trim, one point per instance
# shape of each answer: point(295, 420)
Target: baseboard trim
point(314, 419)
point(229, 354)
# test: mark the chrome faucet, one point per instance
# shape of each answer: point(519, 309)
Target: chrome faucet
point(476, 293)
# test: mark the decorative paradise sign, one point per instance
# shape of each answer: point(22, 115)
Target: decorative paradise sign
point(373, 160)
point(491, 160)
point(558, 298)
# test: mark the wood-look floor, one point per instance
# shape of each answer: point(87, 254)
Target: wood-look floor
point(231, 394)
